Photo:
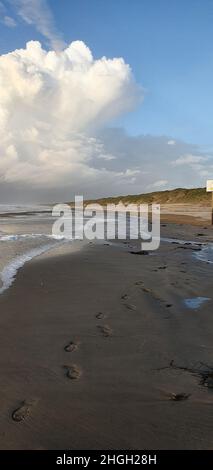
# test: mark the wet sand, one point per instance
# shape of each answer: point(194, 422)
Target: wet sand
point(99, 351)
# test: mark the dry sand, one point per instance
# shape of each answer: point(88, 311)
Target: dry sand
point(98, 350)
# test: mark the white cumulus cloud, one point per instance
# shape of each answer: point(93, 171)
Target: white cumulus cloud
point(51, 104)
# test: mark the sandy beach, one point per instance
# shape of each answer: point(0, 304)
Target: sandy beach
point(99, 351)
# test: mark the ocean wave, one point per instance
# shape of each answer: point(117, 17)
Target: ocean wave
point(24, 236)
point(9, 272)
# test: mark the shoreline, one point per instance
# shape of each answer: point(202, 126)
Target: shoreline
point(9, 272)
point(132, 346)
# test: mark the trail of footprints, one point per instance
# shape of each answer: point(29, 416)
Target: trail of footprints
point(140, 284)
point(74, 371)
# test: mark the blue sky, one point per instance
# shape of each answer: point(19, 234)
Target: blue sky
point(103, 139)
point(167, 43)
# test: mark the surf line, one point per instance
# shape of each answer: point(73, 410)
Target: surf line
point(67, 460)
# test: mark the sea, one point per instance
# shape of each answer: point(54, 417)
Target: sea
point(25, 232)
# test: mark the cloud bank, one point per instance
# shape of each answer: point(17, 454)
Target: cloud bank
point(51, 103)
point(55, 109)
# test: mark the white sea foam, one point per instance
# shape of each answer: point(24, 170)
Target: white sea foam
point(9, 272)
point(206, 254)
point(24, 236)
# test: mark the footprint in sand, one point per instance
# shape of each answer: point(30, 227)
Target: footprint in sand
point(105, 330)
point(145, 289)
point(179, 396)
point(100, 316)
point(24, 410)
point(124, 297)
point(139, 283)
point(72, 346)
point(73, 372)
point(130, 306)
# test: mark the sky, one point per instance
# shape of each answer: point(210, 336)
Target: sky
point(101, 98)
